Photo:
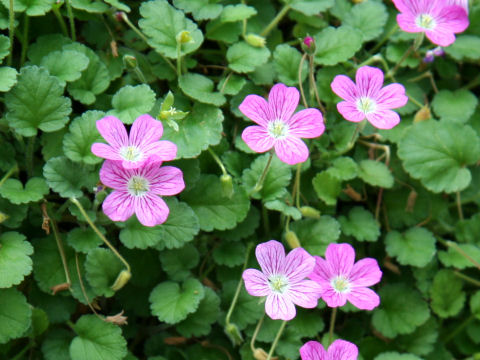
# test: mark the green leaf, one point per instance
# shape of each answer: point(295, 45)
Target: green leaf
point(177, 263)
point(15, 314)
point(62, 177)
point(91, 6)
point(200, 88)
point(82, 133)
point(132, 101)
point(396, 356)
point(457, 106)
point(327, 187)
point(229, 254)
point(201, 128)
point(375, 173)
point(37, 102)
point(200, 322)
point(8, 78)
point(360, 224)
point(163, 34)
point(309, 7)
point(31, 7)
point(276, 180)
point(395, 52)
point(245, 228)
point(84, 239)
point(286, 61)
point(231, 85)
point(16, 213)
point(446, 147)
point(244, 58)
point(447, 295)
point(401, 310)
point(369, 18)
point(136, 236)
point(453, 258)
point(56, 345)
point(40, 322)
point(465, 47)
point(343, 168)
point(172, 302)
point(4, 46)
point(118, 5)
point(15, 261)
point(97, 340)
point(285, 209)
point(201, 9)
point(239, 12)
point(214, 210)
point(415, 247)
point(248, 310)
point(34, 190)
point(226, 32)
point(102, 268)
point(315, 235)
point(67, 65)
point(335, 45)
point(422, 340)
point(45, 45)
point(306, 325)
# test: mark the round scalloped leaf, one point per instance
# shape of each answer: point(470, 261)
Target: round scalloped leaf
point(163, 34)
point(102, 268)
point(281, 206)
point(178, 262)
point(201, 128)
point(422, 340)
point(315, 235)
point(82, 133)
point(15, 261)
point(436, 153)
point(401, 310)
point(97, 340)
point(172, 302)
point(415, 247)
point(238, 12)
point(8, 78)
point(132, 101)
point(15, 314)
point(336, 45)
point(309, 7)
point(31, 7)
point(360, 224)
point(136, 236)
point(57, 344)
point(34, 190)
point(4, 46)
point(327, 187)
point(286, 61)
point(16, 213)
point(453, 258)
point(391, 355)
point(200, 88)
point(343, 168)
point(369, 18)
point(200, 9)
point(229, 253)
point(375, 173)
point(214, 210)
point(447, 295)
point(244, 58)
point(84, 239)
point(457, 106)
point(67, 65)
point(37, 102)
point(245, 228)
point(199, 323)
point(90, 6)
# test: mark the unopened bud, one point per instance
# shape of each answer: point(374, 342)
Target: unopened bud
point(429, 57)
point(310, 212)
point(119, 15)
point(255, 40)
point(308, 41)
point(130, 61)
point(234, 334)
point(122, 280)
point(438, 51)
point(423, 114)
point(292, 239)
point(184, 37)
point(260, 354)
point(227, 185)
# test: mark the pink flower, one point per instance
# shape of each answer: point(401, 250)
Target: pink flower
point(462, 3)
point(440, 20)
point(339, 350)
point(282, 280)
point(278, 127)
point(308, 41)
point(136, 191)
point(341, 279)
point(367, 99)
point(135, 149)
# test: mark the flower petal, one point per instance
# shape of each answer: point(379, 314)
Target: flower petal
point(392, 96)
point(441, 36)
point(369, 81)
point(299, 264)
point(402, 5)
point(350, 111)
point(344, 87)
point(407, 23)
point(151, 210)
point(257, 138)
point(271, 257)
point(291, 150)
point(165, 180)
point(113, 175)
point(363, 298)
point(333, 298)
point(453, 18)
point(313, 350)
point(105, 151)
point(256, 109)
point(365, 272)
point(340, 258)
point(305, 293)
point(145, 130)
point(256, 282)
point(118, 206)
point(306, 123)
point(322, 272)
point(113, 130)
point(384, 119)
point(282, 102)
point(343, 350)
point(279, 307)
point(159, 151)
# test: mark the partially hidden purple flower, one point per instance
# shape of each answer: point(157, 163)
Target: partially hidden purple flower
point(339, 350)
point(278, 127)
point(283, 280)
point(440, 20)
point(344, 280)
point(133, 149)
point(137, 191)
point(367, 99)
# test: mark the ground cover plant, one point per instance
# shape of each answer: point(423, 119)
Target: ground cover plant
point(226, 179)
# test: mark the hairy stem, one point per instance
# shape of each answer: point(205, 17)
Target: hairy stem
point(332, 325)
point(259, 184)
point(277, 338)
point(71, 20)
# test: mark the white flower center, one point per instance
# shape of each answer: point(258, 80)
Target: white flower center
point(131, 153)
point(278, 283)
point(366, 105)
point(277, 129)
point(138, 186)
point(340, 284)
point(426, 22)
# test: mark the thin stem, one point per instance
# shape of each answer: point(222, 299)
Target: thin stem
point(300, 85)
point(71, 20)
point(259, 184)
point(61, 22)
point(459, 328)
point(313, 86)
point(99, 234)
point(275, 21)
point(11, 31)
point(275, 342)
point(296, 186)
point(381, 42)
point(179, 58)
point(61, 250)
point(24, 350)
point(25, 39)
point(402, 59)
point(458, 249)
point(225, 82)
point(332, 325)
point(218, 161)
point(413, 100)
point(10, 172)
point(29, 155)
point(459, 206)
point(466, 278)
point(255, 333)
point(82, 287)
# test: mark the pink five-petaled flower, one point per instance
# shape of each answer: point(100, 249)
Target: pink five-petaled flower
point(136, 191)
point(278, 127)
point(367, 99)
point(440, 20)
point(341, 279)
point(339, 350)
point(134, 149)
point(282, 280)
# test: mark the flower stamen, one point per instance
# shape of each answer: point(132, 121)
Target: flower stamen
point(138, 186)
point(426, 21)
point(278, 283)
point(340, 284)
point(131, 153)
point(278, 129)
point(366, 105)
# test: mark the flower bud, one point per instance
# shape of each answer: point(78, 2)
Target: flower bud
point(121, 280)
point(438, 51)
point(429, 57)
point(184, 37)
point(130, 61)
point(292, 239)
point(308, 41)
point(260, 354)
point(423, 114)
point(227, 185)
point(310, 212)
point(234, 334)
point(255, 40)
